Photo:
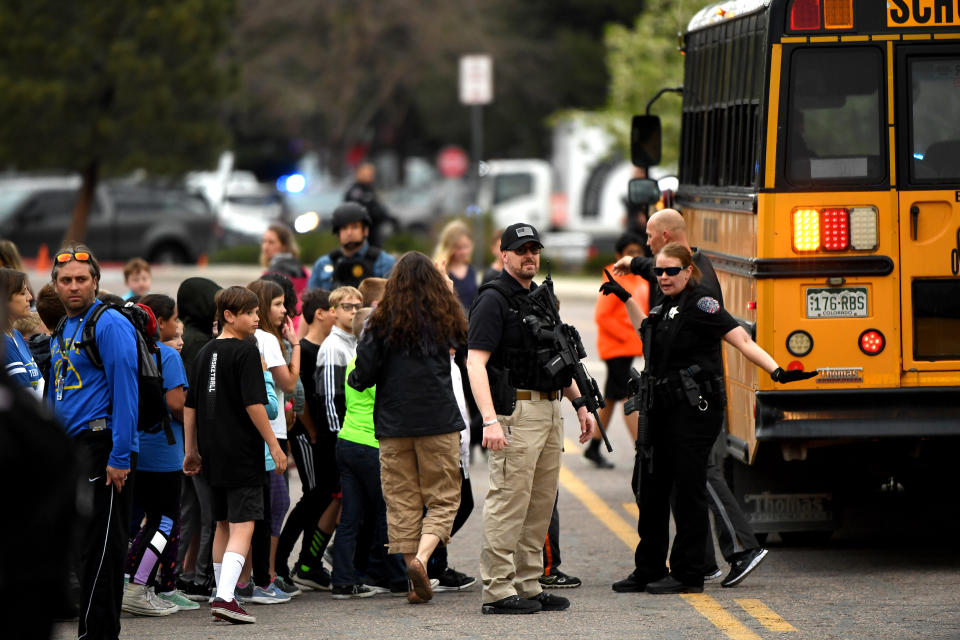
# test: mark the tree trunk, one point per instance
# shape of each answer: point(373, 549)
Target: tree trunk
point(78, 226)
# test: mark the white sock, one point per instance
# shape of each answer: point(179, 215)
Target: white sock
point(230, 570)
point(216, 575)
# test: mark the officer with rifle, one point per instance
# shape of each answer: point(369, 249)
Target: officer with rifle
point(519, 361)
point(680, 397)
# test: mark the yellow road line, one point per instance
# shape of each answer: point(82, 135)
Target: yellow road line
point(720, 617)
point(620, 527)
point(765, 615)
point(632, 509)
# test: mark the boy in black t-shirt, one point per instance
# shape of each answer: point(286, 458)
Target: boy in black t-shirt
point(225, 425)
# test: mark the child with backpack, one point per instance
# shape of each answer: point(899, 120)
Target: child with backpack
point(153, 554)
point(225, 426)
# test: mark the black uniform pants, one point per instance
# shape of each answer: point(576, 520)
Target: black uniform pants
point(320, 477)
point(103, 527)
point(682, 439)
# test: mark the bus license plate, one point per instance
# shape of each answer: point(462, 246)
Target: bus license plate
point(847, 302)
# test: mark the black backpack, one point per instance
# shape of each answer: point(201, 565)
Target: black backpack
point(152, 415)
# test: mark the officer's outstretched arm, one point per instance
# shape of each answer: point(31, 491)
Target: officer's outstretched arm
point(612, 287)
point(740, 339)
point(493, 437)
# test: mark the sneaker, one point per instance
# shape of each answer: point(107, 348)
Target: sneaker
point(451, 580)
point(284, 585)
point(231, 611)
point(511, 605)
point(550, 602)
point(559, 580)
point(348, 591)
point(194, 591)
point(176, 597)
point(313, 578)
point(139, 600)
point(712, 575)
point(269, 595)
point(245, 592)
point(739, 568)
point(594, 456)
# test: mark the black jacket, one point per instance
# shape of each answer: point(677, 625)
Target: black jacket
point(414, 392)
point(197, 310)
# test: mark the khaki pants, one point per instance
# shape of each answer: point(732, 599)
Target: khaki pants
point(523, 487)
point(420, 472)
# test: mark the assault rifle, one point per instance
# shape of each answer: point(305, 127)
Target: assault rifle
point(641, 398)
point(569, 349)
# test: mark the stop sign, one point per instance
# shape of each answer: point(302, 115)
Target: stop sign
point(452, 162)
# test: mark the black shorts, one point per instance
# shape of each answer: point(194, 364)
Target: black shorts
point(618, 374)
point(237, 504)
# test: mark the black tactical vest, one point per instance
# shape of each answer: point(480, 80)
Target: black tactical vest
point(525, 363)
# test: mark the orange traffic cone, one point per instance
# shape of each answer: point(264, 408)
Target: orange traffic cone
point(202, 261)
point(43, 258)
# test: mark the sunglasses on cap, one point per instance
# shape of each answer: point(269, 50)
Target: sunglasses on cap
point(67, 256)
point(670, 271)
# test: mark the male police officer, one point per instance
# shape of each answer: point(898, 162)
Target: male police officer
point(520, 404)
point(356, 259)
point(737, 541)
point(97, 407)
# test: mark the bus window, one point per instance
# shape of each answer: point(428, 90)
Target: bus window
point(936, 319)
point(934, 127)
point(835, 120)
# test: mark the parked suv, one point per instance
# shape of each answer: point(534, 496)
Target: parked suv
point(161, 225)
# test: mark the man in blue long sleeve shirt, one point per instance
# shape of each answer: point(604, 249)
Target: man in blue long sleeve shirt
point(98, 409)
point(356, 259)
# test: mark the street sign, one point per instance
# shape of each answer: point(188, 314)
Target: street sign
point(476, 79)
point(452, 162)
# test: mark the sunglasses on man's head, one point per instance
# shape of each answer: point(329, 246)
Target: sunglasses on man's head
point(67, 256)
point(670, 271)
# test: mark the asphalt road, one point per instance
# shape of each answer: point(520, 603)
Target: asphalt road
point(884, 579)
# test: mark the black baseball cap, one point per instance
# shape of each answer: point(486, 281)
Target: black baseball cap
point(517, 235)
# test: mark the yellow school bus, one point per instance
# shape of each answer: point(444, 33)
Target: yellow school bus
point(820, 172)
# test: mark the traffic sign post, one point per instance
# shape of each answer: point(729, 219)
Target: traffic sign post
point(476, 90)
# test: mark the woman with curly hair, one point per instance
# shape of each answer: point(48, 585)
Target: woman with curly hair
point(414, 338)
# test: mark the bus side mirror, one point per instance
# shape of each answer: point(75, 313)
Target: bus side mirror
point(642, 192)
point(645, 141)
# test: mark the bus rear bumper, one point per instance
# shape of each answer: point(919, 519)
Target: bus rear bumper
point(858, 413)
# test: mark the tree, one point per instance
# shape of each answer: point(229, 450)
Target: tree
point(103, 87)
point(643, 60)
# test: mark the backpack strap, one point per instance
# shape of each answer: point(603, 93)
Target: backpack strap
point(88, 337)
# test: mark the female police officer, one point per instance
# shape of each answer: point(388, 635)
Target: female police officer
point(685, 379)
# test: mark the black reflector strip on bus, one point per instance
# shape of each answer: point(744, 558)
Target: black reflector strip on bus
point(827, 266)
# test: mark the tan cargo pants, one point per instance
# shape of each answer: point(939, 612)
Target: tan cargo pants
point(523, 487)
point(420, 472)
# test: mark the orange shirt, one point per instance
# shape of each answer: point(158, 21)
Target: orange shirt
point(616, 336)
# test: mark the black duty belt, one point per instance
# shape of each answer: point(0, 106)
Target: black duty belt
point(669, 391)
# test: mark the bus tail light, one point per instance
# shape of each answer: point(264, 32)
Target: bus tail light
point(805, 15)
point(838, 14)
point(799, 343)
point(834, 229)
point(872, 342)
point(863, 228)
point(806, 230)
point(795, 365)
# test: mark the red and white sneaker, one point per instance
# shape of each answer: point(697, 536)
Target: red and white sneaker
point(231, 611)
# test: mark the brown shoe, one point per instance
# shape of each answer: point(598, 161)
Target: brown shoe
point(419, 580)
